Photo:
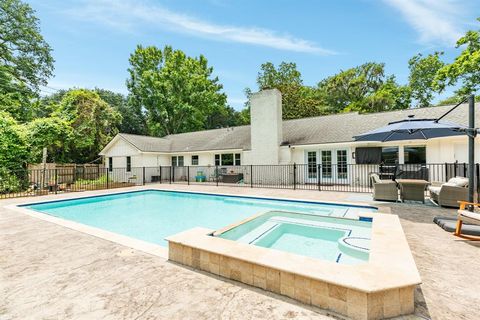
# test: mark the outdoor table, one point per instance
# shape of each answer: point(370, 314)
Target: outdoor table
point(412, 189)
point(232, 177)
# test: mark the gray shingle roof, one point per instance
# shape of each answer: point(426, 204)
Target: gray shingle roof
point(316, 130)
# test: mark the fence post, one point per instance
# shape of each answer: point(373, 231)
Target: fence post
point(188, 175)
point(171, 174)
point(318, 176)
point(143, 176)
point(56, 181)
point(108, 173)
point(251, 176)
point(294, 176)
point(160, 175)
point(216, 174)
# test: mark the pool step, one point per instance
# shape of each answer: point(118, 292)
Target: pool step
point(258, 232)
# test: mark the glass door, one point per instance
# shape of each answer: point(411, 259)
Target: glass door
point(312, 166)
point(342, 165)
point(326, 164)
point(334, 166)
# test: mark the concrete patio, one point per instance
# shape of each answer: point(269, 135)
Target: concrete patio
point(51, 272)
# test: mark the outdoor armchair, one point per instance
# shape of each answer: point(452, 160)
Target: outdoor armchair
point(450, 193)
point(384, 189)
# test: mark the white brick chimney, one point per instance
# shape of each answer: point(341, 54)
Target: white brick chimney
point(266, 126)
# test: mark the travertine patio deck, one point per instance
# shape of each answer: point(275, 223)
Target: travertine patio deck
point(50, 272)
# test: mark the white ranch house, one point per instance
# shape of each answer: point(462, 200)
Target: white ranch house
point(325, 140)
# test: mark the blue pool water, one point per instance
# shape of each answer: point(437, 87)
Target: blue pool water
point(344, 241)
point(153, 215)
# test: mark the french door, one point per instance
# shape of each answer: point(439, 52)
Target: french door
point(330, 165)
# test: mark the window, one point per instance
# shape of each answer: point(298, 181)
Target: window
point(194, 160)
point(110, 164)
point(177, 161)
point(390, 155)
point(415, 155)
point(228, 159)
point(129, 164)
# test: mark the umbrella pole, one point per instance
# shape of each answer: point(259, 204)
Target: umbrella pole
point(472, 132)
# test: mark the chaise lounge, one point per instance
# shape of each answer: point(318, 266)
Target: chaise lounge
point(467, 216)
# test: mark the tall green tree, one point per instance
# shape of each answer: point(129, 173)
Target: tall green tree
point(133, 118)
point(298, 100)
point(365, 88)
point(93, 121)
point(53, 133)
point(14, 153)
point(423, 70)
point(177, 92)
point(465, 68)
point(25, 58)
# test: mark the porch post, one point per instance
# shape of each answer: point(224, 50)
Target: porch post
point(472, 132)
point(401, 154)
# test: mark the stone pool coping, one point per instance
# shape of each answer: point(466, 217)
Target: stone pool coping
point(390, 265)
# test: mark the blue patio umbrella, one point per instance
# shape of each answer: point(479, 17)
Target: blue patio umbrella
point(413, 129)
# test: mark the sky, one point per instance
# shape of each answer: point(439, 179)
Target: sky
point(93, 39)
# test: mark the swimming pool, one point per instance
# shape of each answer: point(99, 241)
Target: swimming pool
point(152, 215)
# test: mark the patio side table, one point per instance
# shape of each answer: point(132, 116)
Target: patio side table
point(412, 189)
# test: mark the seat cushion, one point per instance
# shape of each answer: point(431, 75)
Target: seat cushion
point(458, 181)
point(467, 229)
point(469, 214)
point(435, 190)
point(376, 178)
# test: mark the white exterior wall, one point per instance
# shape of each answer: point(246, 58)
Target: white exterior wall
point(285, 155)
point(450, 150)
point(121, 148)
point(266, 126)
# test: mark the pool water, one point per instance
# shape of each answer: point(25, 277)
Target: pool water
point(339, 240)
point(152, 215)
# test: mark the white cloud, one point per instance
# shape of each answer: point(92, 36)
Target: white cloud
point(436, 21)
point(237, 101)
point(125, 15)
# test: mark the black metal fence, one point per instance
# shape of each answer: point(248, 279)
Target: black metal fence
point(322, 177)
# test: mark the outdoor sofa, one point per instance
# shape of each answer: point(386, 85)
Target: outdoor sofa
point(450, 193)
point(384, 189)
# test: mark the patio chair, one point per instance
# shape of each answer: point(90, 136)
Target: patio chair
point(217, 175)
point(450, 193)
point(384, 189)
point(464, 215)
